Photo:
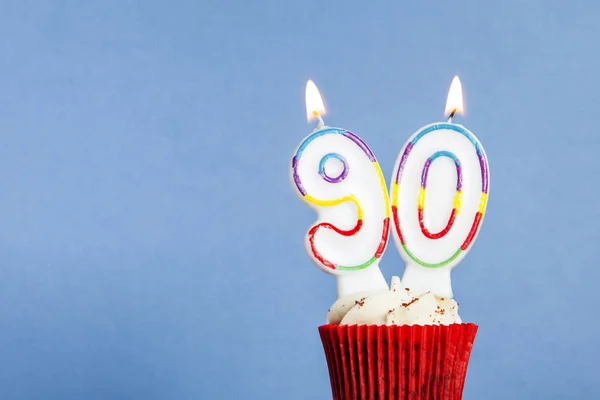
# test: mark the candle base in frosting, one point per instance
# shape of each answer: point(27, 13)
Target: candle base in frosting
point(369, 279)
point(422, 279)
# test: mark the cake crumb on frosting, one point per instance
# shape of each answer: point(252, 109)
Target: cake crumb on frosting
point(360, 302)
point(410, 302)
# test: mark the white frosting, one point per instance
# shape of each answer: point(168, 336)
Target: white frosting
point(397, 306)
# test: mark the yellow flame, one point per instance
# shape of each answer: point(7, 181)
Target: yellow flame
point(314, 102)
point(455, 98)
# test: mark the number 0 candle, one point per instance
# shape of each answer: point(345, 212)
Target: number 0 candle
point(335, 173)
point(439, 194)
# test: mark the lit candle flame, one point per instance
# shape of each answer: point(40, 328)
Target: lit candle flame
point(314, 102)
point(454, 103)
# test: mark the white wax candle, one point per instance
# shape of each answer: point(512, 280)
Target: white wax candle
point(335, 173)
point(439, 194)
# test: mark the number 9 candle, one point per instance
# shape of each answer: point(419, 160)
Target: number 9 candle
point(335, 173)
point(439, 194)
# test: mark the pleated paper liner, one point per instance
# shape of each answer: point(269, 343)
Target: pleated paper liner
point(397, 362)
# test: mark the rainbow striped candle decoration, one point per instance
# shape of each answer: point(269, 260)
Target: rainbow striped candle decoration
point(335, 173)
point(439, 194)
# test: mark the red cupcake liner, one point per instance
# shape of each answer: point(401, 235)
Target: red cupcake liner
point(397, 362)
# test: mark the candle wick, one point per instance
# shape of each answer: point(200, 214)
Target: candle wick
point(451, 115)
point(321, 124)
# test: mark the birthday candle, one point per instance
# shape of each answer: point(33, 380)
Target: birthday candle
point(336, 174)
point(439, 195)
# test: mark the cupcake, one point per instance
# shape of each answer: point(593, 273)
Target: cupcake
point(396, 344)
point(405, 341)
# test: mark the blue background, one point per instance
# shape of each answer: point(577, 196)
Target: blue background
point(151, 244)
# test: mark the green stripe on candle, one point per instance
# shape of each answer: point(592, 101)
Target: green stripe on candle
point(357, 267)
point(428, 265)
